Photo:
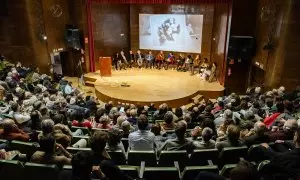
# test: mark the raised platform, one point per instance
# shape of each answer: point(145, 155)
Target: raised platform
point(147, 86)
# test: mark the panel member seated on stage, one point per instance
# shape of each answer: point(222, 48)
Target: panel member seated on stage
point(131, 59)
point(196, 64)
point(149, 60)
point(188, 64)
point(139, 58)
point(160, 57)
point(180, 62)
point(169, 61)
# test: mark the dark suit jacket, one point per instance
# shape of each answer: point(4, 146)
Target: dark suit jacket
point(286, 163)
point(255, 139)
point(137, 56)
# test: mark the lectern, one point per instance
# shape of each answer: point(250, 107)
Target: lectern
point(105, 66)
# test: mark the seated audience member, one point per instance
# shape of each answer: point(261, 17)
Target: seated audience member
point(160, 113)
point(61, 133)
point(104, 123)
point(11, 131)
point(79, 120)
point(271, 119)
point(227, 115)
point(98, 144)
point(178, 113)
point(109, 171)
point(168, 121)
point(35, 121)
point(82, 167)
point(286, 133)
point(126, 128)
point(142, 139)
point(180, 142)
point(218, 108)
point(209, 123)
point(222, 130)
point(120, 120)
point(159, 139)
point(258, 136)
point(188, 119)
point(244, 170)
point(47, 152)
point(18, 115)
point(206, 142)
point(206, 114)
point(287, 163)
point(133, 116)
point(91, 105)
point(232, 139)
point(114, 141)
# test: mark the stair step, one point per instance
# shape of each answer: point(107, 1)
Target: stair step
point(90, 83)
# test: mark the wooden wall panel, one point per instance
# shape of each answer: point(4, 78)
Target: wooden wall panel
point(109, 22)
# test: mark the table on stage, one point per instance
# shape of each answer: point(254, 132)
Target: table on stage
point(105, 66)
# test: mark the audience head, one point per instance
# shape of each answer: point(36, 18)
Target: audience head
point(297, 138)
point(180, 129)
point(244, 170)
point(227, 114)
point(233, 133)
point(47, 126)
point(155, 129)
point(260, 128)
point(125, 126)
point(120, 120)
point(168, 117)
point(98, 141)
point(290, 125)
point(207, 134)
point(114, 137)
point(8, 125)
point(104, 120)
point(82, 164)
point(142, 122)
point(47, 143)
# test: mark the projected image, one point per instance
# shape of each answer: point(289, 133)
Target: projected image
point(171, 32)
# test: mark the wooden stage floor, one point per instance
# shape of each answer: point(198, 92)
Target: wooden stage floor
point(152, 85)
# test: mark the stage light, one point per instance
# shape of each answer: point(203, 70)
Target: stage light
point(44, 37)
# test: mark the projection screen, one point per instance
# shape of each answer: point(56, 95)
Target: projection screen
point(171, 32)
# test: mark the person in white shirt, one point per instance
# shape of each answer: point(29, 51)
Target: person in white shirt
point(142, 139)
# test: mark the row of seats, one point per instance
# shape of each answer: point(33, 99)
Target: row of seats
point(15, 170)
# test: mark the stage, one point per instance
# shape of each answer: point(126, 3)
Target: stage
point(152, 86)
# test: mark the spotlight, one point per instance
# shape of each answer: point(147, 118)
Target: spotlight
point(44, 37)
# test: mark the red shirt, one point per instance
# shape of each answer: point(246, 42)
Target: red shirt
point(85, 123)
point(270, 120)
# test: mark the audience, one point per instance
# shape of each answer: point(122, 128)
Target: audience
point(32, 104)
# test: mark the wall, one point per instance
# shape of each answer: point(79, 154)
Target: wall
point(277, 21)
point(109, 21)
point(15, 40)
point(27, 20)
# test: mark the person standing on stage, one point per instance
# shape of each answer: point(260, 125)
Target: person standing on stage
point(139, 58)
point(116, 60)
point(169, 60)
point(180, 62)
point(131, 59)
point(149, 60)
point(159, 59)
point(188, 63)
point(124, 59)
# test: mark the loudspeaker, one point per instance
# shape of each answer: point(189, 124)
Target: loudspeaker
point(72, 38)
point(241, 47)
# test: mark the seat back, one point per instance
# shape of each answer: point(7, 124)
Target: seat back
point(24, 147)
point(131, 171)
point(167, 158)
point(191, 172)
point(135, 158)
point(200, 157)
point(225, 171)
point(34, 171)
point(232, 155)
point(161, 173)
point(125, 143)
point(118, 157)
point(11, 170)
point(77, 138)
point(73, 150)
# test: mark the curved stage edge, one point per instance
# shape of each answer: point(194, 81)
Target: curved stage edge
point(95, 80)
